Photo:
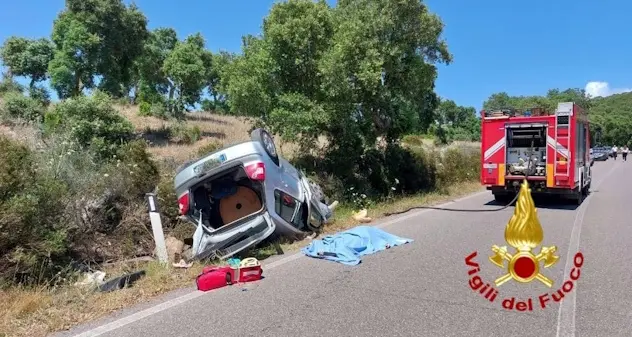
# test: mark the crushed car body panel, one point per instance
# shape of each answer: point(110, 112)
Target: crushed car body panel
point(240, 195)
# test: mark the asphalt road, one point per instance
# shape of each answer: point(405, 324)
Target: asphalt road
point(422, 289)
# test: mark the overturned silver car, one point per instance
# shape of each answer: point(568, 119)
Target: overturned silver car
point(242, 194)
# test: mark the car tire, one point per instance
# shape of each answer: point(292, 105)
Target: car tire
point(267, 142)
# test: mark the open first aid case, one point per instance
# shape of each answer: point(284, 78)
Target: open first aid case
point(213, 277)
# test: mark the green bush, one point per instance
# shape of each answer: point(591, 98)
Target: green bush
point(9, 85)
point(40, 94)
point(458, 165)
point(167, 198)
point(413, 140)
point(16, 105)
point(58, 205)
point(159, 110)
point(397, 170)
point(208, 105)
point(32, 204)
point(182, 133)
point(144, 109)
point(138, 165)
point(209, 148)
point(379, 174)
point(16, 168)
point(92, 122)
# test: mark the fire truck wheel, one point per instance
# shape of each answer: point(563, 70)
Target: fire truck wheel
point(579, 196)
point(501, 198)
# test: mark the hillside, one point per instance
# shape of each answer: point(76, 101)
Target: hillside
point(611, 119)
point(165, 136)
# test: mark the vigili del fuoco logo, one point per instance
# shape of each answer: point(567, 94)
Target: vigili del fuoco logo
point(523, 233)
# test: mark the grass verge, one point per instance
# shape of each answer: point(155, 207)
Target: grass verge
point(39, 311)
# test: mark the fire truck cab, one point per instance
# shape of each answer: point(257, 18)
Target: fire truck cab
point(549, 149)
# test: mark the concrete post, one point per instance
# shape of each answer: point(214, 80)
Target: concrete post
point(156, 226)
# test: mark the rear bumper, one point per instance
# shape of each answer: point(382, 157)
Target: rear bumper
point(503, 190)
point(226, 242)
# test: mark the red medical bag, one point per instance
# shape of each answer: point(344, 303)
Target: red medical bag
point(214, 277)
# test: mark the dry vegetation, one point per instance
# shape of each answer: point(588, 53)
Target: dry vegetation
point(224, 129)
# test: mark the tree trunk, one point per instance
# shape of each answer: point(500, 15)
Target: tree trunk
point(172, 91)
point(77, 87)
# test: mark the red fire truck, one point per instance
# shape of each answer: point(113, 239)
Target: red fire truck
point(549, 149)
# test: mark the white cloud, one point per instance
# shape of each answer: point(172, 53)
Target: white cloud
point(603, 89)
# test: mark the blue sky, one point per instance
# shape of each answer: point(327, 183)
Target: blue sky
point(521, 47)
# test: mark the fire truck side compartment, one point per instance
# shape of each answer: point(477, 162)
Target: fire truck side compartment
point(526, 144)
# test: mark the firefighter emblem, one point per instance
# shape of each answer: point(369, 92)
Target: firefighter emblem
point(524, 233)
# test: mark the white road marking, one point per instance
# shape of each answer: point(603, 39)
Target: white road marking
point(121, 322)
point(568, 306)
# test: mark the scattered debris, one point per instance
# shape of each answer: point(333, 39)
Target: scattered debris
point(182, 264)
point(174, 248)
point(234, 262)
point(121, 282)
point(92, 279)
point(361, 216)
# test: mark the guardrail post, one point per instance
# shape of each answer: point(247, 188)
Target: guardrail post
point(156, 226)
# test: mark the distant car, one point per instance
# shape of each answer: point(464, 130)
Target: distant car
point(601, 153)
point(240, 195)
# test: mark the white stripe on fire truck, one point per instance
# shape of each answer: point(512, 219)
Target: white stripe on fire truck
point(561, 149)
point(495, 148)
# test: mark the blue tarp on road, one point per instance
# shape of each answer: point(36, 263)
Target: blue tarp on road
point(347, 247)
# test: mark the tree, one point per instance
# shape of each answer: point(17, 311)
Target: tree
point(502, 100)
point(151, 81)
point(248, 81)
point(380, 68)
point(216, 65)
point(457, 122)
point(576, 95)
point(298, 33)
point(28, 58)
point(355, 72)
point(186, 72)
point(96, 38)
point(611, 119)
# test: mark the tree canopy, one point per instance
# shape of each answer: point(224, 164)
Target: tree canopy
point(356, 72)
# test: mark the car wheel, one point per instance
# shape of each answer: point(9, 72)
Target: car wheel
point(265, 139)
